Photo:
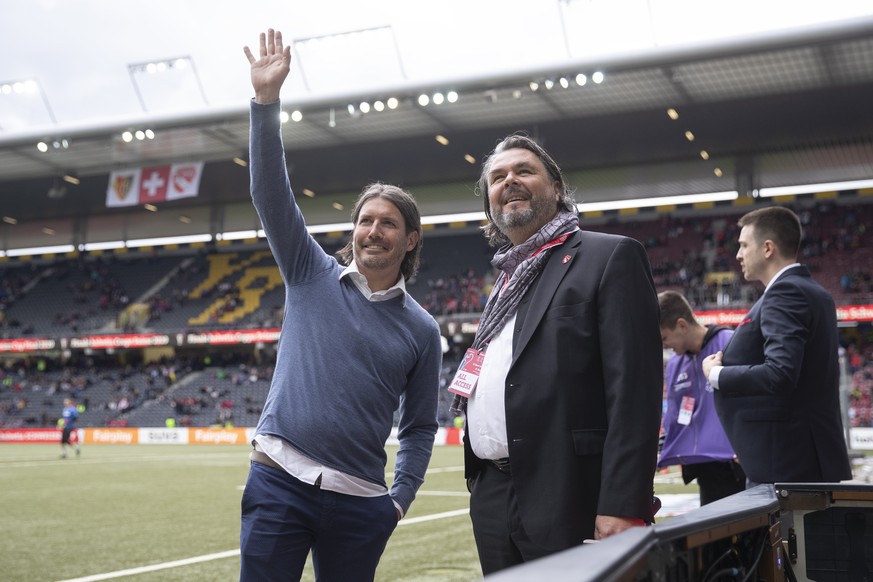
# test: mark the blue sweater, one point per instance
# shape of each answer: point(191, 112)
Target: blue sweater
point(344, 364)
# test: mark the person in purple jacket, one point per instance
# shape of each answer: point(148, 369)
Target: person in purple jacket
point(693, 435)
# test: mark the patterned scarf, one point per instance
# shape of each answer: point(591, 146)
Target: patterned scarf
point(519, 266)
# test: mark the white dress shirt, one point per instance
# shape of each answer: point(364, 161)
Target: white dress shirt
point(486, 410)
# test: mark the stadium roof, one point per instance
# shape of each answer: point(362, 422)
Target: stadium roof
point(775, 93)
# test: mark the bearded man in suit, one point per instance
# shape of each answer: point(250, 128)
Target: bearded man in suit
point(562, 386)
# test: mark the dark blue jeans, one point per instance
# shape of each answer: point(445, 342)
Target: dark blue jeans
point(284, 518)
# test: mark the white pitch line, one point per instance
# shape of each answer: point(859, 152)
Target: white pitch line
point(155, 567)
point(435, 470)
point(72, 462)
point(423, 518)
point(233, 553)
point(444, 470)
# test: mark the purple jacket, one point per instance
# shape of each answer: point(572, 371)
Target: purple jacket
point(698, 438)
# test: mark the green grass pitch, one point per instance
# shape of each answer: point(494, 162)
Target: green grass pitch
point(154, 513)
point(120, 508)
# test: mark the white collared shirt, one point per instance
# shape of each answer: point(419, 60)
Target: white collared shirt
point(486, 410)
point(308, 471)
point(360, 281)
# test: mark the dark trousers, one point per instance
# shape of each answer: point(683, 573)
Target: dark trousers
point(716, 479)
point(284, 518)
point(500, 537)
point(66, 435)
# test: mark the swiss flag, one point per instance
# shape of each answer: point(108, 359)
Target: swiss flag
point(153, 184)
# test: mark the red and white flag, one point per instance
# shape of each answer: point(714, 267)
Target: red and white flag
point(153, 184)
point(184, 180)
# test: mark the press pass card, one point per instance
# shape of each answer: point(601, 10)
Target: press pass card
point(686, 410)
point(468, 373)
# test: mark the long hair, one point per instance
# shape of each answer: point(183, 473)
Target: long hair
point(406, 204)
point(566, 201)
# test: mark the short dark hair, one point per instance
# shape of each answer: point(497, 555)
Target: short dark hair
point(673, 307)
point(778, 224)
point(408, 207)
point(519, 140)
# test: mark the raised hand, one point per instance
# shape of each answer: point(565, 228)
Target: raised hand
point(270, 70)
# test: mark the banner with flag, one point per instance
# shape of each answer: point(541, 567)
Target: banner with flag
point(153, 184)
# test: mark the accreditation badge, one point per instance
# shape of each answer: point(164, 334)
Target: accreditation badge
point(468, 373)
point(686, 409)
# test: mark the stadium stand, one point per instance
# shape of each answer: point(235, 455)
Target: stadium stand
point(32, 395)
point(194, 289)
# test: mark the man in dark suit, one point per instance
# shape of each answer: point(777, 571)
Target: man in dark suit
point(777, 381)
point(562, 386)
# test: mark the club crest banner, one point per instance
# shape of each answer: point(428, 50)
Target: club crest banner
point(153, 184)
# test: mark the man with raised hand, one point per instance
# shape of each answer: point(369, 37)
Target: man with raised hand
point(354, 348)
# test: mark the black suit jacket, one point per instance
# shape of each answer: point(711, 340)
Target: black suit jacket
point(583, 391)
point(778, 396)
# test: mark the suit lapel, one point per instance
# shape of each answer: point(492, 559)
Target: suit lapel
point(557, 266)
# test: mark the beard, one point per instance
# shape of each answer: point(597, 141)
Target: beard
point(539, 212)
point(375, 263)
point(382, 261)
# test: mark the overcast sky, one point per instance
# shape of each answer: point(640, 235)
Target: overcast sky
point(79, 51)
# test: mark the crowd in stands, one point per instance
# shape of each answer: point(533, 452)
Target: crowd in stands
point(859, 357)
point(696, 255)
point(175, 294)
point(208, 389)
point(464, 292)
point(31, 391)
point(202, 392)
point(96, 280)
point(13, 282)
point(692, 253)
point(160, 303)
point(219, 397)
point(31, 394)
point(857, 280)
